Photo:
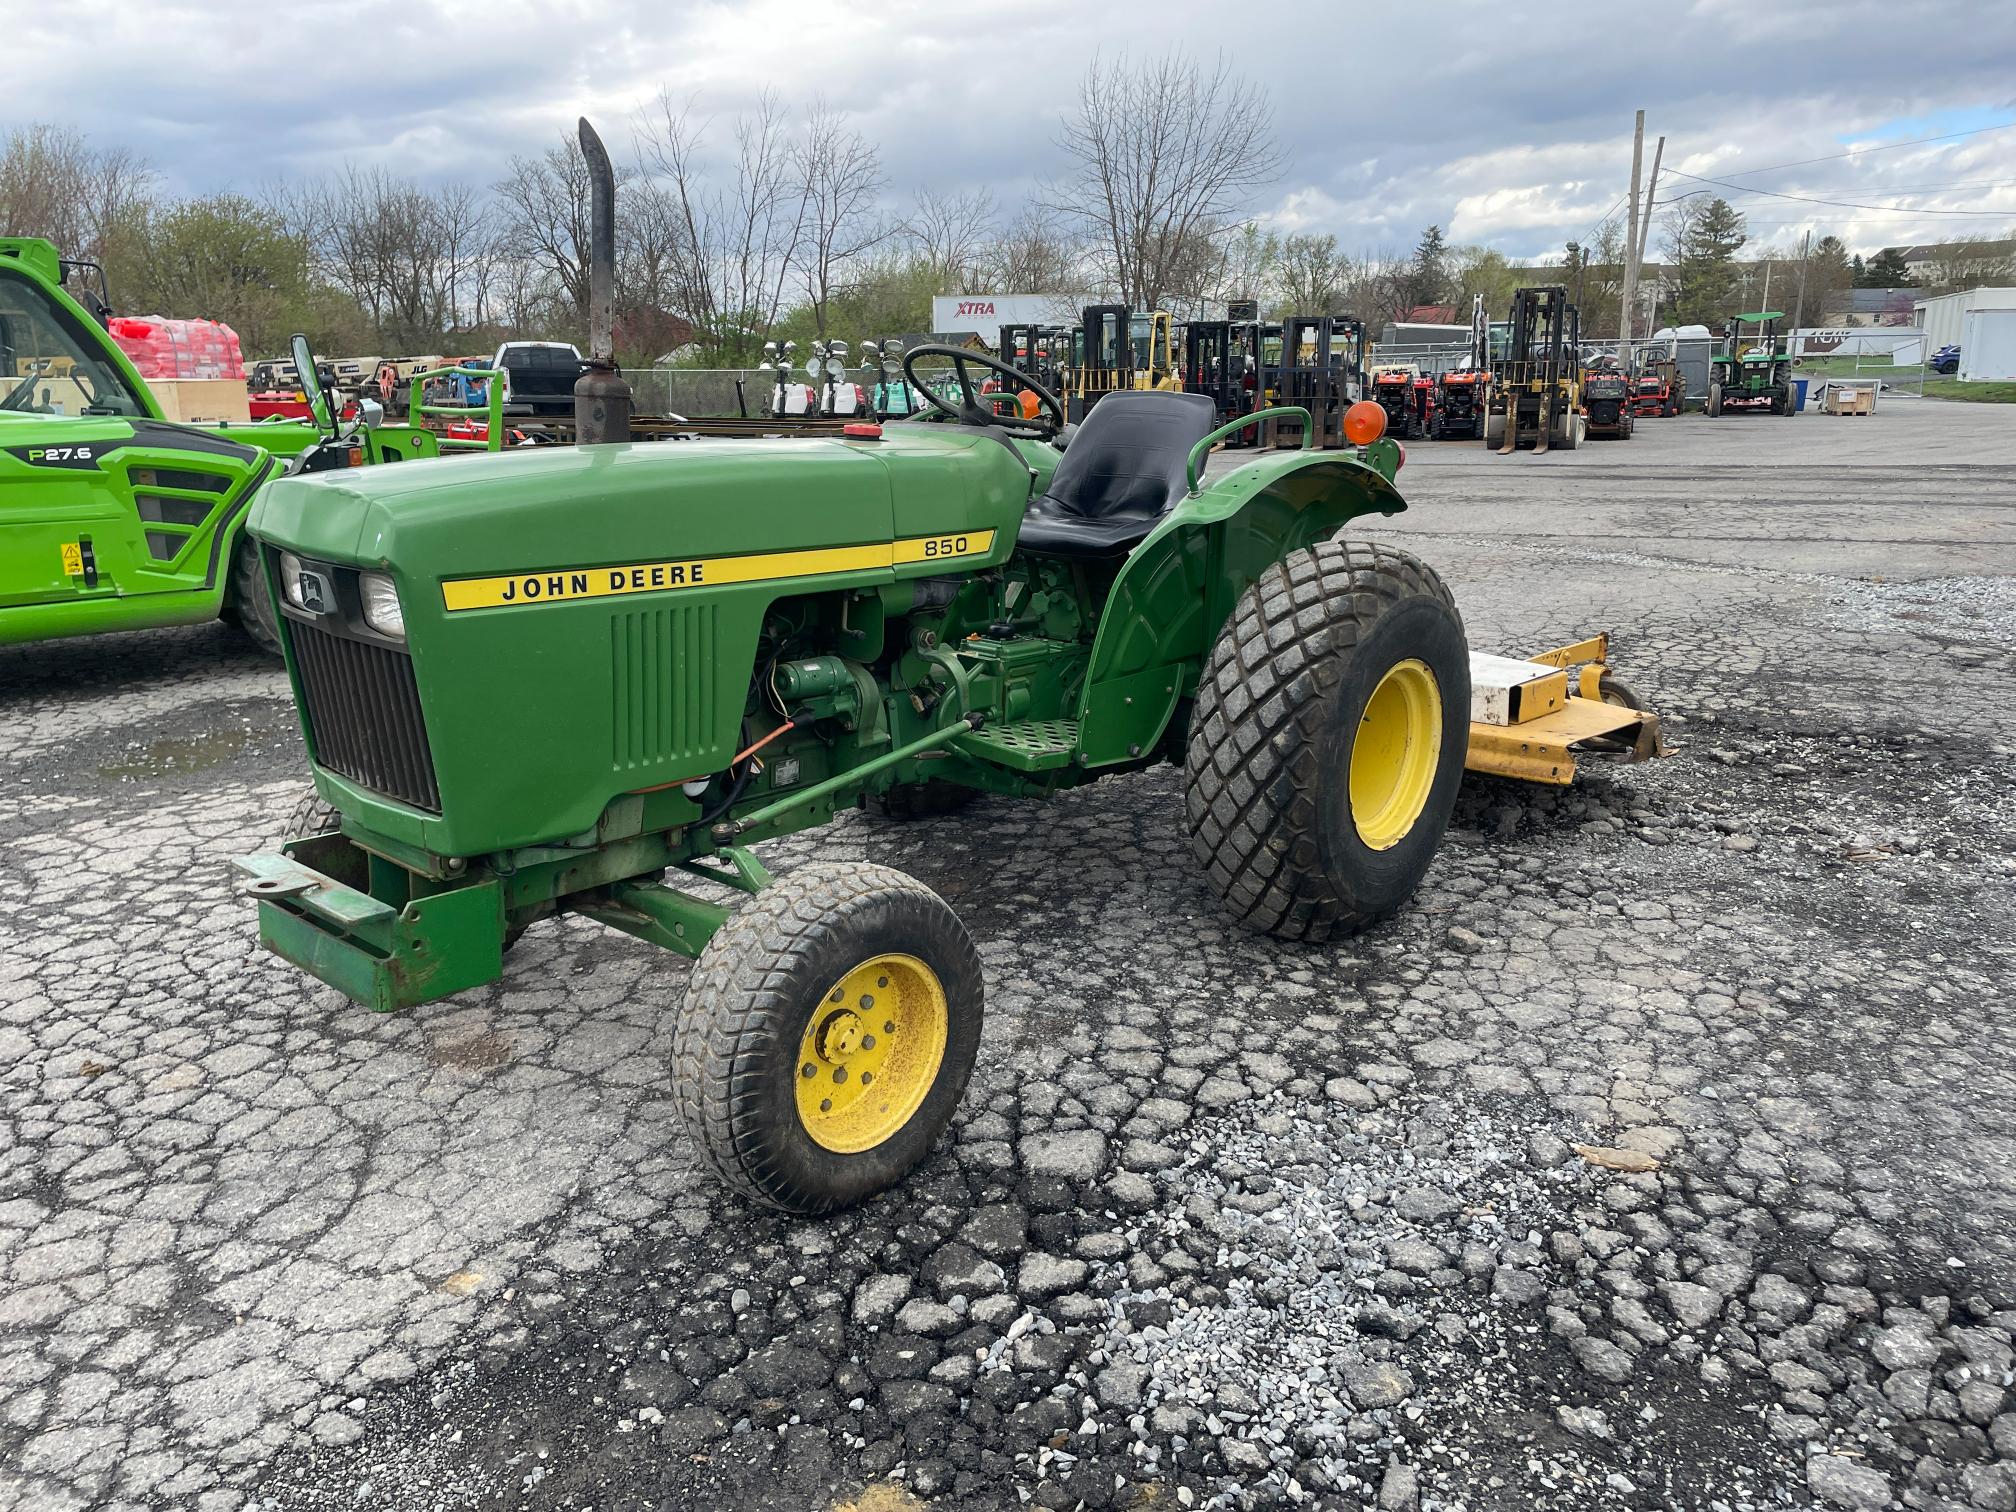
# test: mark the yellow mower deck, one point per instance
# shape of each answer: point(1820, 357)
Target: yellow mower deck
point(1533, 727)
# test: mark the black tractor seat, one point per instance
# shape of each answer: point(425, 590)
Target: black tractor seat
point(1123, 472)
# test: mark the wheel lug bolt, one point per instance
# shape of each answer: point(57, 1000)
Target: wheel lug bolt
point(867, 1077)
point(867, 1042)
point(889, 1027)
point(881, 981)
point(810, 1069)
point(839, 1075)
point(825, 1105)
point(867, 1001)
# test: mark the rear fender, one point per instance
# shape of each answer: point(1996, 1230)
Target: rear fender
point(1178, 586)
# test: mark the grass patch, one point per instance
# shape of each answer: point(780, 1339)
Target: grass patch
point(1976, 393)
point(1869, 368)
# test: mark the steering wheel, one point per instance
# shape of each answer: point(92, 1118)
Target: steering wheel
point(970, 411)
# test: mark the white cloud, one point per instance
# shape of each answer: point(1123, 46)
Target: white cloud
point(1475, 123)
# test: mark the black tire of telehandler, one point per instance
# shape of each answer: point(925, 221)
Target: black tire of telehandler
point(752, 995)
point(250, 606)
point(311, 816)
point(919, 800)
point(1267, 776)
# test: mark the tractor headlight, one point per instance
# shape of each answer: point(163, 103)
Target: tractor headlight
point(381, 604)
point(290, 579)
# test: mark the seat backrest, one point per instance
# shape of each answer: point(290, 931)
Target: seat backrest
point(1127, 456)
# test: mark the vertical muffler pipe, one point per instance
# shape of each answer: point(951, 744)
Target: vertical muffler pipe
point(601, 396)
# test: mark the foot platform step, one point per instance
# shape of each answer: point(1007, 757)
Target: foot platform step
point(1030, 745)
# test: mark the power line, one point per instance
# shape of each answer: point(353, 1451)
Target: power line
point(1844, 204)
point(1858, 151)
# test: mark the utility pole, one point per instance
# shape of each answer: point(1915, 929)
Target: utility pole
point(1805, 262)
point(1644, 231)
point(1631, 233)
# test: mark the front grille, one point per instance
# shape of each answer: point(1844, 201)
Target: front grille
point(363, 710)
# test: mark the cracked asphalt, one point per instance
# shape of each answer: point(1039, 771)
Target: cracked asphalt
point(1224, 1222)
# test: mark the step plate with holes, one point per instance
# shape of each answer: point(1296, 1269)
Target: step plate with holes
point(1032, 745)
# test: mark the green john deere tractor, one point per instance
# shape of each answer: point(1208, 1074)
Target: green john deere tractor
point(111, 518)
point(1753, 371)
point(587, 680)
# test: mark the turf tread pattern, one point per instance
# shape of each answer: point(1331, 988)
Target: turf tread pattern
point(1250, 773)
point(744, 990)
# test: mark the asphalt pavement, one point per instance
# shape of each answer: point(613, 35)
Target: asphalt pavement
point(1224, 1222)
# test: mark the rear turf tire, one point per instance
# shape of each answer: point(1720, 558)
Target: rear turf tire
point(761, 1007)
point(920, 800)
point(1272, 766)
point(250, 604)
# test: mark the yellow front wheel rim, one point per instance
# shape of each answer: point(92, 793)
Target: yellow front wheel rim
point(1394, 754)
point(870, 1053)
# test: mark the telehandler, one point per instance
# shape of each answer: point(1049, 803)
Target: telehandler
point(581, 680)
point(112, 517)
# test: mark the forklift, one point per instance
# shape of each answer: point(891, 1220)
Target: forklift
point(1536, 386)
point(1321, 368)
point(1214, 363)
point(1754, 371)
point(1042, 352)
point(1460, 393)
point(1116, 350)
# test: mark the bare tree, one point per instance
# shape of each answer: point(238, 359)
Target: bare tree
point(415, 260)
point(1310, 275)
point(950, 233)
point(842, 175)
point(55, 184)
point(545, 219)
point(1161, 155)
point(733, 250)
point(1036, 254)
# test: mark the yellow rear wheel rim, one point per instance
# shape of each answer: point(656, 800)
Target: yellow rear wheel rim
point(870, 1053)
point(1394, 754)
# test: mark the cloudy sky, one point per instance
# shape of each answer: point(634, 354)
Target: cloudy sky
point(1513, 132)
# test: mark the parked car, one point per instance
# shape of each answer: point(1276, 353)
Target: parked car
point(1946, 359)
point(538, 376)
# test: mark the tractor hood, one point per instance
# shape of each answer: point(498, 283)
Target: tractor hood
point(538, 509)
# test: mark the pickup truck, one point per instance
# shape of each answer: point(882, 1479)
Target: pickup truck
point(538, 376)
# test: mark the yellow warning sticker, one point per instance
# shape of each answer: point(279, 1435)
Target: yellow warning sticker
point(73, 559)
point(566, 584)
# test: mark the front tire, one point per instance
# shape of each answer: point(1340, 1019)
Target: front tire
point(1714, 399)
point(1328, 740)
point(828, 1034)
point(249, 602)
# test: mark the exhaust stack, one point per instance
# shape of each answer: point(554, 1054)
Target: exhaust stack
point(601, 396)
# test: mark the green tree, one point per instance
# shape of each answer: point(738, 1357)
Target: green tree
point(226, 258)
point(1858, 271)
point(1426, 280)
point(1828, 276)
point(1886, 270)
point(1702, 242)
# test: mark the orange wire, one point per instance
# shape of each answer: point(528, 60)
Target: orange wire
point(736, 761)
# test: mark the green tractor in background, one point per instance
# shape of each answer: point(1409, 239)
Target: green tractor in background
point(111, 517)
point(587, 680)
point(1753, 371)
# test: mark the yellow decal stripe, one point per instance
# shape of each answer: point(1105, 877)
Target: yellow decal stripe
point(565, 584)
